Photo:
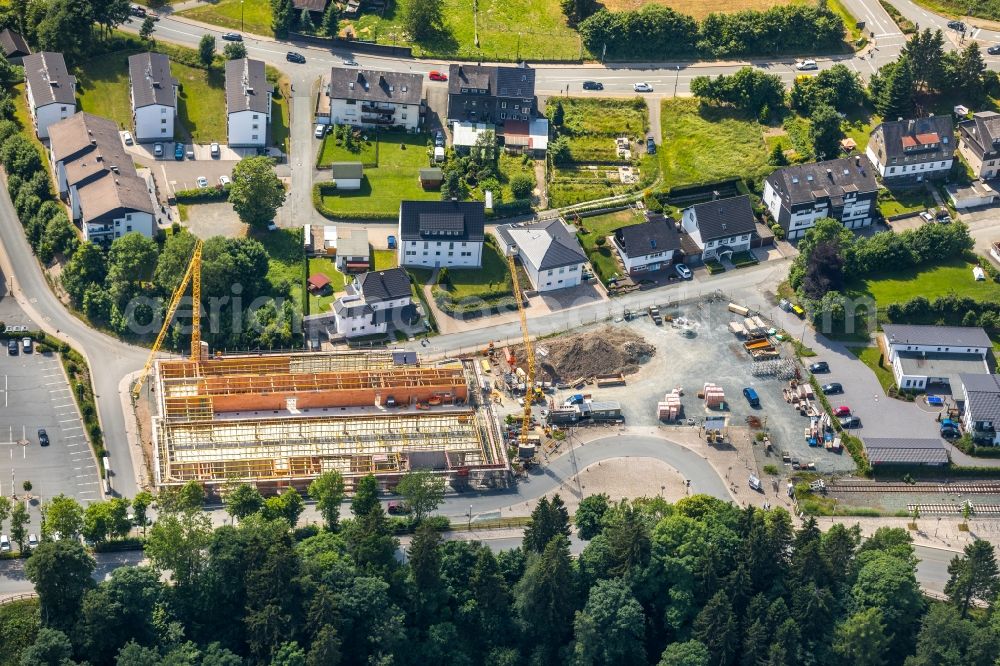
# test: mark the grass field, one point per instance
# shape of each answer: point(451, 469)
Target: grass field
point(508, 30)
point(335, 152)
point(286, 264)
point(870, 356)
point(256, 15)
point(394, 179)
point(490, 280)
point(704, 144)
point(324, 265)
point(603, 117)
point(897, 202)
point(384, 259)
point(601, 226)
point(279, 117)
point(953, 277)
point(103, 87)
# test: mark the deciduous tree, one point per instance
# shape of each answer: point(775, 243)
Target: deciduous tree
point(422, 490)
point(206, 49)
point(61, 571)
point(424, 19)
point(589, 515)
point(328, 491)
point(256, 193)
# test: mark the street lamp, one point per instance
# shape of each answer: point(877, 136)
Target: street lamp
point(241, 15)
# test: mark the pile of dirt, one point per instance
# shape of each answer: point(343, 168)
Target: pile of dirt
point(606, 351)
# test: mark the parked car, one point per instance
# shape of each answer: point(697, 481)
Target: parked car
point(798, 311)
point(751, 396)
point(43, 437)
point(137, 10)
point(351, 62)
point(392, 242)
point(202, 182)
point(842, 410)
point(819, 366)
point(850, 422)
point(806, 65)
point(993, 50)
point(320, 131)
point(178, 151)
point(439, 139)
point(926, 216)
point(295, 56)
point(830, 389)
point(12, 348)
point(755, 484)
point(593, 85)
point(28, 345)
point(642, 86)
point(4, 543)
point(157, 150)
point(435, 75)
point(32, 540)
point(956, 25)
point(683, 272)
point(127, 138)
point(650, 145)
point(271, 226)
point(224, 180)
point(942, 216)
point(214, 148)
point(396, 508)
point(232, 36)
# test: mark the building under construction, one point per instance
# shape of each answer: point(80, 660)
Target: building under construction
point(280, 420)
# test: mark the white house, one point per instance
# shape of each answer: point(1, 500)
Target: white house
point(844, 189)
point(550, 254)
point(153, 92)
point(375, 98)
point(99, 180)
point(248, 103)
point(925, 355)
point(353, 251)
point(910, 151)
point(347, 175)
point(981, 407)
point(50, 88)
point(721, 227)
point(441, 233)
point(648, 246)
point(374, 300)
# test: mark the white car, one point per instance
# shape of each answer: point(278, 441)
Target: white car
point(350, 62)
point(320, 131)
point(805, 65)
point(32, 540)
point(157, 150)
point(4, 543)
point(642, 86)
point(202, 182)
point(215, 149)
point(224, 180)
point(683, 271)
point(127, 136)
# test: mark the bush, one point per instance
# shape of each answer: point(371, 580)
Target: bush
point(203, 194)
point(714, 267)
point(511, 208)
point(521, 186)
point(771, 469)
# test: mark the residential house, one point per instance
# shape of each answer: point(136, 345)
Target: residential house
point(549, 252)
point(844, 189)
point(882, 451)
point(979, 143)
point(648, 246)
point(441, 233)
point(981, 407)
point(50, 89)
point(314, 7)
point(347, 175)
point(372, 98)
point(925, 355)
point(490, 94)
point(374, 299)
point(529, 137)
point(99, 180)
point(911, 151)
point(248, 103)
point(153, 92)
point(14, 46)
point(353, 251)
point(464, 135)
point(720, 227)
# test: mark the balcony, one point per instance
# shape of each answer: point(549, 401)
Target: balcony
point(382, 110)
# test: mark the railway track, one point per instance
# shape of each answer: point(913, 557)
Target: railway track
point(963, 487)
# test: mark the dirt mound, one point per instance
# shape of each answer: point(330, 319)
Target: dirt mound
point(603, 352)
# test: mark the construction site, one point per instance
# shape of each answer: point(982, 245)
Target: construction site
point(280, 420)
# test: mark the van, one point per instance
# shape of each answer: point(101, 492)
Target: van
point(439, 154)
point(4, 543)
point(755, 483)
point(751, 396)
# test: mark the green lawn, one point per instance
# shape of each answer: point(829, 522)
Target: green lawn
point(279, 122)
point(325, 265)
point(333, 151)
point(858, 126)
point(602, 226)
point(708, 144)
point(23, 118)
point(870, 356)
point(900, 201)
point(103, 87)
point(490, 280)
point(256, 15)
point(953, 277)
point(384, 259)
point(508, 30)
point(596, 116)
point(393, 180)
point(287, 260)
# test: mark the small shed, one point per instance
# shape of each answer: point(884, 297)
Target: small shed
point(318, 283)
point(347, 175)
point(431, 178)
point(974, 195)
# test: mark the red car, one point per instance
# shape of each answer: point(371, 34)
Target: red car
point(435, 75)
point(843, 410)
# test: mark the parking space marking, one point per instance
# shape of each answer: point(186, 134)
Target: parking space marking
point(72, 427)
point(68, 420)
point(72, 445)
point(52, 383)
point(88, 483)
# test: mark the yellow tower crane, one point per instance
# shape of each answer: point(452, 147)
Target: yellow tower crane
point(529, 353)
point(191, 276)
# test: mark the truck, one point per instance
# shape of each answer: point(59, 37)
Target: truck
point(654, 313)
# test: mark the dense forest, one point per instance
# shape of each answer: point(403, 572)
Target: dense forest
point(697, 583)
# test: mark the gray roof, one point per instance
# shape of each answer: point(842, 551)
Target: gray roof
point(940, 364)
point(832, 179)
point(915, 137)
point(13, 43)
point(352, 243)
point(725, 217)
point(982, 132)
point(346, 170)
point(311, 5)
point(352, 308)
point(431, 173)
point(497, 81)
point(376, 86)
point(388, 285)
point(246, 86)
point(151, 80)
point(905, 451)
point(983, 393)
point(546, 245)
point(450, 220)
point(49, 80)
point(945, 336)
point(656, 234)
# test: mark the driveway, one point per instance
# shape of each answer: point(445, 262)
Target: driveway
point(205, 220)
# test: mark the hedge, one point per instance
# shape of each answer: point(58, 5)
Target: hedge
point(203, 194)
point(714, 267)
point(511, 208)
point(321, 189)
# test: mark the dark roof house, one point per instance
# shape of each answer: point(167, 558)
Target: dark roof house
point(823, 181)
point(247, 88)
point(982, 394)
point(952, 337)
point(657, 234)
point(899, 147)
point(387, 285)
point(152, 82)
point(546, 245)
point(48, 79)
point(376, 86)
point(724, 218)
point(318, 6)
point(982, 133)
point(490, 94)
point(13, 44)
point(442, 220)
point(905, 451)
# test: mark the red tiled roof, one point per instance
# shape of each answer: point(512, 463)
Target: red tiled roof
point(318, 281)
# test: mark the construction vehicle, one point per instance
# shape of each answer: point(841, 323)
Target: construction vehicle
point(193, 276)
point(529, 354)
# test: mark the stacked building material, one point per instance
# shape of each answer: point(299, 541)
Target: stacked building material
point(670, 408)
point(715, 397)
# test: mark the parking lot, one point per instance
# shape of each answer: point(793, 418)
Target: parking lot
point(34, 394)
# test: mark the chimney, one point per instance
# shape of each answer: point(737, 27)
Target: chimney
point(910, 125)
point(829, 174)
point(857, 160)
